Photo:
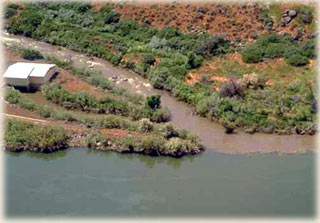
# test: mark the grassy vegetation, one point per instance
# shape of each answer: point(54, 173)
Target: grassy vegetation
point(104, 105)
point(273, 46)
point(153, 145)
point(107, 121)
point(169, 55)
point(150, 133)
point(25, 135)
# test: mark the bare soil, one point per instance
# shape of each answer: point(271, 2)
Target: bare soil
point(234, 21)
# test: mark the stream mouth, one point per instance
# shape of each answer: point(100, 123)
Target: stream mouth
point(212, 135)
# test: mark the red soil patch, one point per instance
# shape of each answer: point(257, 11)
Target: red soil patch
point(312, 64)
point(17, 111)
point(234, 21)
point(235, 56)
point(212, 69)
point(117, 133)
point(136, 58)
point(219, 79)
point(74, 84)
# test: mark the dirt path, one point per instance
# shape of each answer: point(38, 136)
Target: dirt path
point(26, 118)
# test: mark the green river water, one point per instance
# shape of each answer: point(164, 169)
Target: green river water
point(82, 183)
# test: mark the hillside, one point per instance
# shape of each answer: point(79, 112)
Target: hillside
point(237, 22)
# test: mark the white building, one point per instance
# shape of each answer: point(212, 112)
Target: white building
point(28, 74)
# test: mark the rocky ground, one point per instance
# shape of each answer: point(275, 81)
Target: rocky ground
point(240, 23)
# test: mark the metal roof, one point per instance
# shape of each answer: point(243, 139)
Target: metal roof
point(24, 70)
point(40, 70)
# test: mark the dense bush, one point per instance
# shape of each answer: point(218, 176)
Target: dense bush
point(297, 60)
point(149, 145)
point(252, 54)
point(305, 15)
point(9, 12)
point(232, 88)
point(308, 49)
point(273, 46)
point(12, 96)
point(159, 77)
point(153, 101)
point(109, 15)
point(24, 135)
point(213, 46)
point(194, 60)
point(148, 59)
point(161, 115)
point(31, 54)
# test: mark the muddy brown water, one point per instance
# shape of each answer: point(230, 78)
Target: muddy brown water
point(211, 134)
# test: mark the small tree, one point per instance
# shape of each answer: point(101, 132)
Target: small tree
point(154, 101)
point(148, 59)
point(231, 89)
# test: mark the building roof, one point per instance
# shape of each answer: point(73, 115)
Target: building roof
point(40, 70)
point(18, 70)
point(24, 70)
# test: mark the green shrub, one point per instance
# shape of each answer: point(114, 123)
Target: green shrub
point(161, 115)
point(159, 77)
point(274, 50)
point(59, 63)
point(297, 60)
point(153, 101)
point(305, 15)
point(273, 46)
point(13, 6)
point(252, 53)
point(31, 54)
point(213, 46)
point(9, 12)
point(194, 60)
point(144, 125)
point(13, 96)
point(169, 131)
point(231, 88)
point(24, 135)
point(178, 71)
point(308, 49)
point(148, 59)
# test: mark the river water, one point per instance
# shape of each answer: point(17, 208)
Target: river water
point(81, 182)
point(217, 183)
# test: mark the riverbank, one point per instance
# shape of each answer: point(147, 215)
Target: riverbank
point(212, 135)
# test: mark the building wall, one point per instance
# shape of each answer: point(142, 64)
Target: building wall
point(42, 80)
point(33, 82)
point(17, 82)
